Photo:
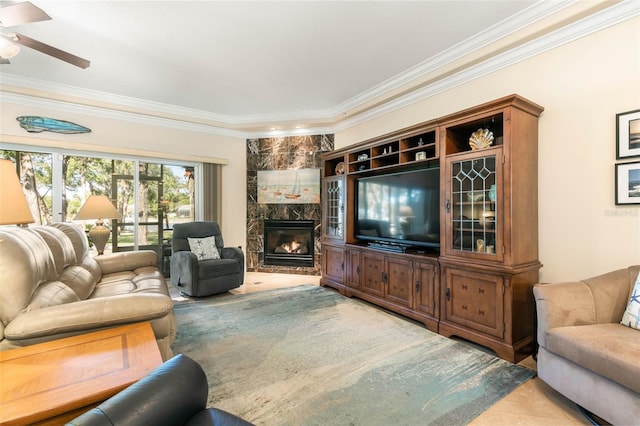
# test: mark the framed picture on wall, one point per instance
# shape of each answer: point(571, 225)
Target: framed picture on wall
point(296, 186)
point(628, 134)
point(628, 183)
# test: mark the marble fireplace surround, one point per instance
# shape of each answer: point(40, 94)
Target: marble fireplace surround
point(281, 153)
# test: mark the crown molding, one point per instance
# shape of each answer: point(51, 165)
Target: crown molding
point(611, 16)
point(153, 113)
point(517, 22)
point(513, 24)
point(76, 108)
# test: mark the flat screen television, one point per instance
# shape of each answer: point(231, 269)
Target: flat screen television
point(399, 209)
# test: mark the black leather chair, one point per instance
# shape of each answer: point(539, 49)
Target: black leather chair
point(204, 277)
point(173, 394)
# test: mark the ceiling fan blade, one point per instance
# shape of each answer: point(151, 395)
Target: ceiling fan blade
point(21, 13)
point(51, 51)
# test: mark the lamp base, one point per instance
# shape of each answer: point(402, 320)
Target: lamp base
point(99, 235)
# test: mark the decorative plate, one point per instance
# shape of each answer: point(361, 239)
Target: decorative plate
point(340, 168)
point(475, 196)
point(481, 138)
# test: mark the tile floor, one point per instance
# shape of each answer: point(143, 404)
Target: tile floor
point(533, 403)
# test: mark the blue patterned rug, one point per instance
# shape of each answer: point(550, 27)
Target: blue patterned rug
point(308, 356)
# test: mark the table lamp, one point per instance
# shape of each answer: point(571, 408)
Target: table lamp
point(14, 209)
point(406, 217)
point(98, 207)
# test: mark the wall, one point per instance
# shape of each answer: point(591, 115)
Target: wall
point(281, 153)
point(152, 140)
point(582, 86)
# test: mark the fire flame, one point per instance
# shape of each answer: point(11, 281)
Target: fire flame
point(291, 247)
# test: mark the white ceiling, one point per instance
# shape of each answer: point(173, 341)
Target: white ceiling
point(260, 64)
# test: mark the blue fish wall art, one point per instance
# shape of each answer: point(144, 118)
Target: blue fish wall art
point(35, 124)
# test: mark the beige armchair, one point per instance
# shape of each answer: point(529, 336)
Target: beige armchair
point(585, 353)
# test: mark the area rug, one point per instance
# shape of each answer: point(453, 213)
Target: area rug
point(306, 355)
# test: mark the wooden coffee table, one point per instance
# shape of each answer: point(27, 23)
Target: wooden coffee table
point(54, 382)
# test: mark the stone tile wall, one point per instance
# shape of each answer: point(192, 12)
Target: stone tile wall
point(281, 153)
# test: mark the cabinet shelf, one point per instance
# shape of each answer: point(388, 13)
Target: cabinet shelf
point(330, 166)
point(418, 146)
point(475, 230)
point(419, 154)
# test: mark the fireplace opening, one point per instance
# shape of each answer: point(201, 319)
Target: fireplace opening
point(288, 242)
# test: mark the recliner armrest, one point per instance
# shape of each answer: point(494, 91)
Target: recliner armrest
point(233, 253)
point(184, 268)
point(175, 393)
point(171, 394)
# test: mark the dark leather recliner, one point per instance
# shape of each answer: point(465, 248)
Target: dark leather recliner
point(204, 277)
point(173, 394)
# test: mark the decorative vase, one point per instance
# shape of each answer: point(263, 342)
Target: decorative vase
point(492, 193)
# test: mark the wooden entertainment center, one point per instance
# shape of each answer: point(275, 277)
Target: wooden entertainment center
point(478, 283)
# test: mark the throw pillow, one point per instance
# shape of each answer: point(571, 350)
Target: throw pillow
point(631, 317)
point(204, 248)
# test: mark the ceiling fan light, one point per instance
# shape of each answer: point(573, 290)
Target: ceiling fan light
point(7, 49)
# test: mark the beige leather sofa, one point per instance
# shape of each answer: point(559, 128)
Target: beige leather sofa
point(51, 287)
point(585, 353)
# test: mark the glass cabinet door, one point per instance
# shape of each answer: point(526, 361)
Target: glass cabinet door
point(334, 207)
point(473, 205)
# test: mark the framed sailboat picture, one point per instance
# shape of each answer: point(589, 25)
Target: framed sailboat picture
point(301, 186)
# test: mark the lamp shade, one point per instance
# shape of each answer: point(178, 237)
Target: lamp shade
point(406, 211)
point(97, 207)
point(14, 209)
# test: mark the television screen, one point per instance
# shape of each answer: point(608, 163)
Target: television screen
point(400, 208)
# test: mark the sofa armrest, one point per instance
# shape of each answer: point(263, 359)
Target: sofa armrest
point(597, 300)
point(561, 305)
point(87, 315)
point(126, 261)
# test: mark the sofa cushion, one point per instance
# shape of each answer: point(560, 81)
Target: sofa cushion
point(77, 237)
point(50, 294)
point(204, 248)
point(631, 316)
point(86, 315)
point(60, 245)
point(610, 350)
point(79, 280)
point(25, 263)
point(112, 288)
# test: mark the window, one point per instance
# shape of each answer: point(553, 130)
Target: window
point(150, 195)
point(35, 171)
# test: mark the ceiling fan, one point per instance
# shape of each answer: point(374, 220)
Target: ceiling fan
point(24, 13)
